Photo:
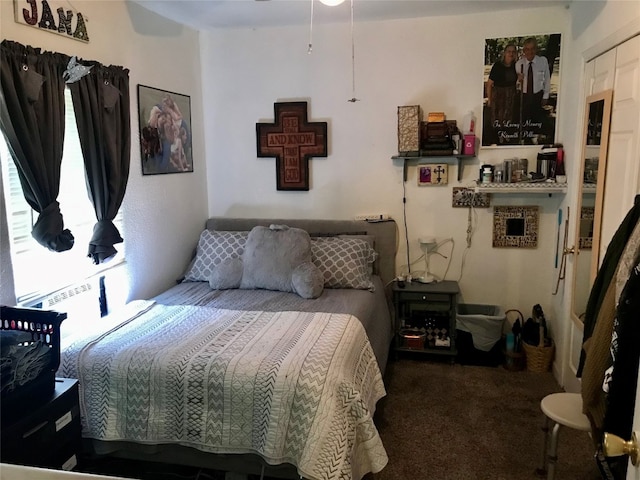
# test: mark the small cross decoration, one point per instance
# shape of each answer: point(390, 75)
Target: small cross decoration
point(292, 140)
point(439, 171)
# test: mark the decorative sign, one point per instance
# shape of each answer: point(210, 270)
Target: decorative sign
point(292, 140)
point(70, 23)
point(467, 197)
point(432, 174)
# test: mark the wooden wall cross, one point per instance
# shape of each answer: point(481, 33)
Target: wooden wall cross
point(293, 141)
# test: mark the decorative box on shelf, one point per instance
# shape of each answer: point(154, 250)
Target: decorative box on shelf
point(409, 121)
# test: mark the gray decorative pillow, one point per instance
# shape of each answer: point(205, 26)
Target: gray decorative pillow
point(271, 255)
point(344, 262)
point(307, 280)
point(227, 274)
point(371, 240)
point(213, 248)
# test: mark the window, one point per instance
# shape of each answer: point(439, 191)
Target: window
point(37, 271)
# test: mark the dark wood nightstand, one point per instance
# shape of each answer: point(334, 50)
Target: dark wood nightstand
point(425, 317)
point(48, 435)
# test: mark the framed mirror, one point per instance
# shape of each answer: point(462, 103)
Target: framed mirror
point(590, 198)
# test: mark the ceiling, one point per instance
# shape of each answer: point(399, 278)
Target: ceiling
point(207, 14)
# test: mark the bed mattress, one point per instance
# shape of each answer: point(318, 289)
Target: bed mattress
point(294, 381)
point(371, 308)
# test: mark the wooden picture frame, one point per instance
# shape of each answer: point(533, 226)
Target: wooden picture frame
point(515, 226)
point(165, 131)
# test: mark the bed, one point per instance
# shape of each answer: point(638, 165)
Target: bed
point(252, 375)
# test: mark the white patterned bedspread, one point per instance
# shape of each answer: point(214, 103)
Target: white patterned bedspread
point(293, 387)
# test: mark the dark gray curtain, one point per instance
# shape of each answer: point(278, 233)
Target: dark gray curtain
point(32, 121)
point(101, 104)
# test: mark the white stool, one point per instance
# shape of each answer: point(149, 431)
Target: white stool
point(561, 409)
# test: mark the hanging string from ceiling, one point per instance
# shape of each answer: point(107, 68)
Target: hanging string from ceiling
point(310, 48)
point(353, 98)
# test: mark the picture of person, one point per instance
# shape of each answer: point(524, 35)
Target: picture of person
point(501, 89)
point(165, 135)
point(533, 77)
point(424, 175)
point(521, 78)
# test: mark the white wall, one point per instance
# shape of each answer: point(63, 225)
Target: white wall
point(436, 63)
point(163, 214)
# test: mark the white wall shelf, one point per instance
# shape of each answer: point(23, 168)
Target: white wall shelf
point(522, 187)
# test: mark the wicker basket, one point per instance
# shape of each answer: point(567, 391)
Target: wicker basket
point(539, 357)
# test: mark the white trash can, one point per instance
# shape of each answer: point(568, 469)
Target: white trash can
point(483, 322)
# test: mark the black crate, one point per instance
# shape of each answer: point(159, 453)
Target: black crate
point(42, 326)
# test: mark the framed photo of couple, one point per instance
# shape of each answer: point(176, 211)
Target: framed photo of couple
point(520, 90)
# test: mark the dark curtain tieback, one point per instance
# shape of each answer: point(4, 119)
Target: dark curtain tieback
point(105, 235)
point(48, 229)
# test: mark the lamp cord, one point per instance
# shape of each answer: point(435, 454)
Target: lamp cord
point(406, 229)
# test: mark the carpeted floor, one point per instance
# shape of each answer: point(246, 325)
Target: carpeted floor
point(443, 421)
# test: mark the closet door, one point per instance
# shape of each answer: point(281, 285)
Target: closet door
point(623, 168)
point(617, 69)
point(599, 76)
point(603, 70)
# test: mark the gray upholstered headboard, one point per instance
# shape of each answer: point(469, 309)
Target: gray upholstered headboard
point(386, 234)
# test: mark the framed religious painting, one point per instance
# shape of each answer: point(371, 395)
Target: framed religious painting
point(436, 174)
point(165, 131)
point(520, 90)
